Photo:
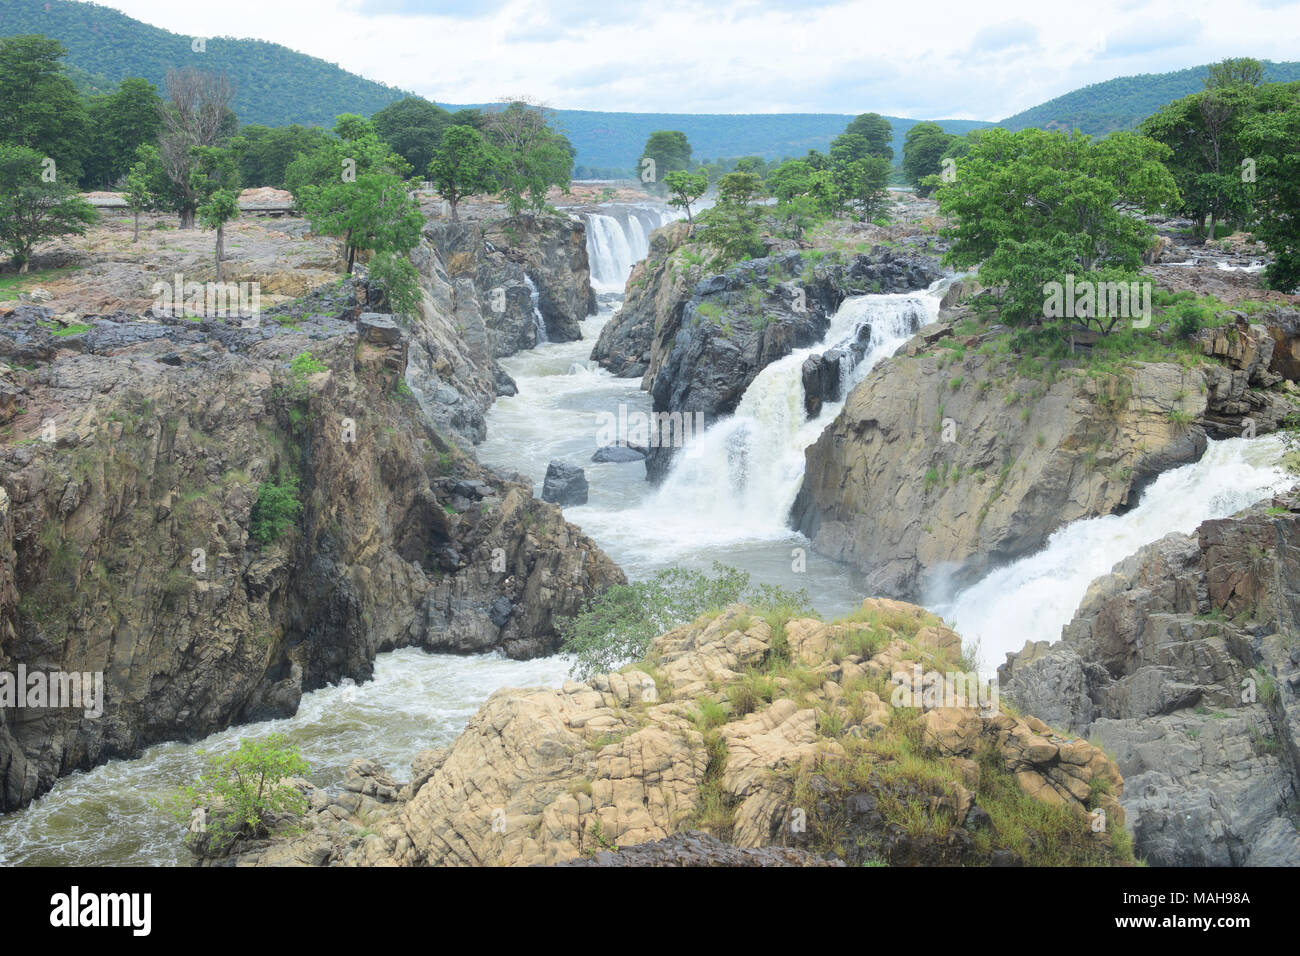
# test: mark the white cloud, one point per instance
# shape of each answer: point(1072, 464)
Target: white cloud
point(953, 59)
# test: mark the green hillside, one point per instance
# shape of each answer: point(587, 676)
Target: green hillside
point(1124, 102)
point(274, 85)
point(616, 139)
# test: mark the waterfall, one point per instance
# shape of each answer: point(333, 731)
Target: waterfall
point(738, 480)
point(1034, 597)
point(539, 323)
point(619, 239)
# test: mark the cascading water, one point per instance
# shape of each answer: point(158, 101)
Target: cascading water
point(539, 322)
point(1033, 598)
point(618, 240)
point(738, 480)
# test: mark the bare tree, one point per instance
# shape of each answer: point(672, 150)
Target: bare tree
point(197, 113)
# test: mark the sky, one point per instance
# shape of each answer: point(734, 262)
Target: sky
point(953, 60)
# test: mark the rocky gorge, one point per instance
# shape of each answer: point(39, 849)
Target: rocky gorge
point(144, 453)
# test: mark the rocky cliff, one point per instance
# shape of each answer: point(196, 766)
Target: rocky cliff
point(763, 732)
point(143, 467)
point(1184, 663)
point(954, 456)
point(700, 339)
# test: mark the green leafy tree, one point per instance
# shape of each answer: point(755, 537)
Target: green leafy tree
point(1272, 138)
point(141, 183)
point(684, 189)
point(398, 279)
point(39, 106)
point(531, 155)
point(216, 183)
point(876, 131)
point(268, 152)
point(1239, 71)
point(374, 213)
point(924, 147)
point(1032, 206)
point(35, 207)
point(413, 127)
point(120, 123)
point(241, 793)
point(462, 165)
point(667, 150)
point(861, 184)
point(740, 188)
point(1204, 134)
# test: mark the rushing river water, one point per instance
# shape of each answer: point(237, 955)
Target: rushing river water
point(725, 499)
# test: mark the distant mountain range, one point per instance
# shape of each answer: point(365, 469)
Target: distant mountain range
point(1124, 102)
point(276, 86)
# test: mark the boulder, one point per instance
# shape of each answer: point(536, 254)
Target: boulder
point(564, 485)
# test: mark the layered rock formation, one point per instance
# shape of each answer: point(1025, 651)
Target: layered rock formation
point(1184, 662)
point(764, 735)
point(953, 458)
point(142, 466)
point(699, 340)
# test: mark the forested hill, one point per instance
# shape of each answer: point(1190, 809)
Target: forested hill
point(1124, 102)
point(274, 85)
point(615, 140)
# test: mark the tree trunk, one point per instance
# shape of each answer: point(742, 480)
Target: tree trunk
point(1209, 233)
point(221, 243)
point(187, 218)
point(136, 235)
point(352, 258)
point(453, 212)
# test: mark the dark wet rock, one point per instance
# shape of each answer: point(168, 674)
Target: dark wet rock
point(564, 485)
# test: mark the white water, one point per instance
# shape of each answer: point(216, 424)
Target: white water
point(736, 482)
point(616, 243)
point(539, 323)
point(1033, 598)
point(415, 701)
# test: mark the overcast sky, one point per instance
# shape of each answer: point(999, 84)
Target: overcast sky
point(928, 60)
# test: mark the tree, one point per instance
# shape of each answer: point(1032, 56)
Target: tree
point(1242, 71)
point(667, 150)
point(683, 189)
point(39, 106)
point(1203, 131)
point(740, 188)
point(268, 152)
point(243, 790)
point(877, 132)
point(197, 113)
point(34, 207)
point(120, 122)
point(1272, 138)
point(216, 184)
point(140, 191)
point(413, 127)
point(353, 149)
point(531, 155)
point(862, 184)
point(923, 150)
point(462, 165)
point(1035, 205)
point(375, 213)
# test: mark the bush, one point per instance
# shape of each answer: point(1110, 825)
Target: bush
point(243, 790)
point(276, 509)
point(398, 279)
point(617, 626)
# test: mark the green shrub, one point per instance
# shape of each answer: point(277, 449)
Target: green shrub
point(244, 790)
point(617, 626)
point(276, 509)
